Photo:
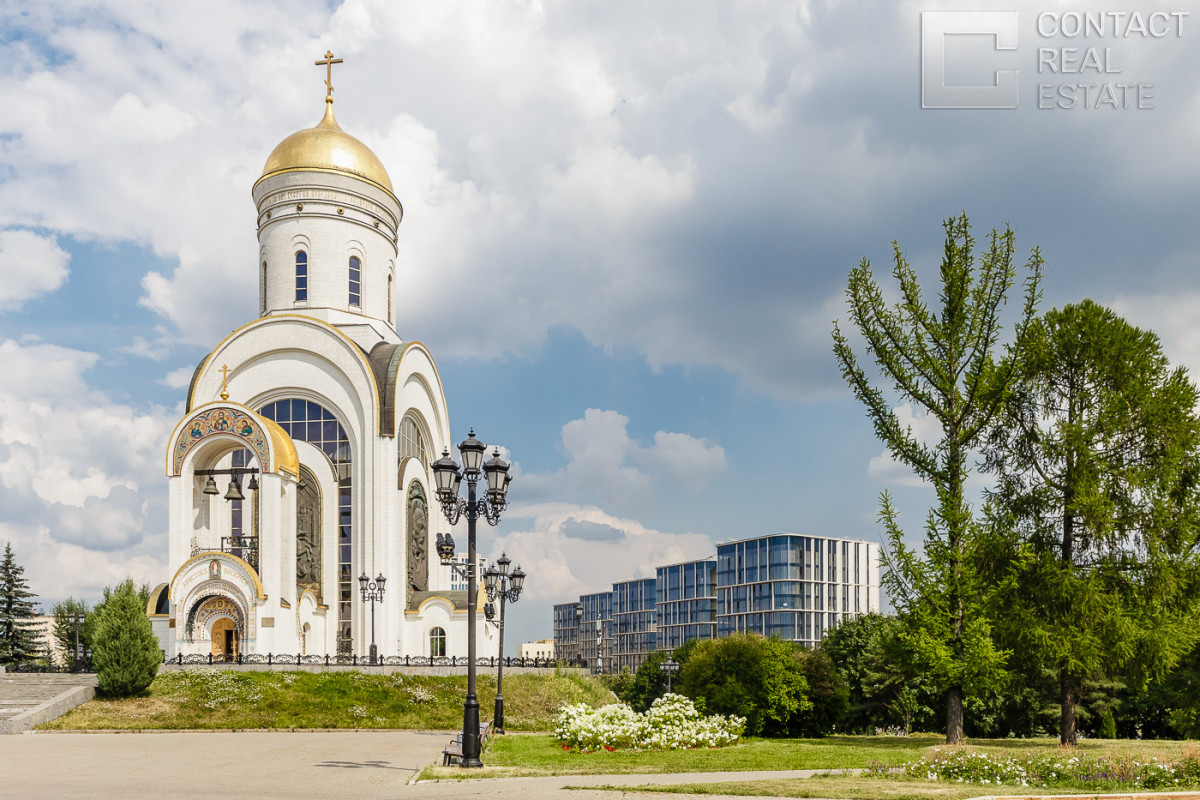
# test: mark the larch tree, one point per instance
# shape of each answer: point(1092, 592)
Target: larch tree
point(943, 361)
point(1098, 467)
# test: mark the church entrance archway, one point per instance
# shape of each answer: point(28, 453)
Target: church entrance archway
point(224, 640)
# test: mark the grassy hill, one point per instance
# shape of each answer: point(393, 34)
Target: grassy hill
point(204, 697)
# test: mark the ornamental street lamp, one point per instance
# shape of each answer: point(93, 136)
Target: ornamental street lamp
point(76, 622)
point(449, 477)
point(669, 667)
point(372, 591)
point(508, 588)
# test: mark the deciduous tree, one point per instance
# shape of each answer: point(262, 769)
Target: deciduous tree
point(943, 361)
point(1096, 509)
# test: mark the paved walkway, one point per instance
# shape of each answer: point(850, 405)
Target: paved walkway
point(268, 766)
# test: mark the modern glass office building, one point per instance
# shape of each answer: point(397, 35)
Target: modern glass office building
point(633, 623)
point(687, 602)
point(566, 631)
point(795, 587)
point(787, 585)
point(595, 630)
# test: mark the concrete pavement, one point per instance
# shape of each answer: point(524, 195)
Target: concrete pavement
point(363, 765)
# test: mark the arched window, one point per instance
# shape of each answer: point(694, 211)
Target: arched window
point(310, 422)
point(437, 643)
point(391, 321)
point(355, 282)
point(412, 443)
point(262, 289)
point(301, 276)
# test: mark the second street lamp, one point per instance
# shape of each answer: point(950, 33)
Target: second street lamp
point(449, 477)
point(372, 591)
point(508, 588)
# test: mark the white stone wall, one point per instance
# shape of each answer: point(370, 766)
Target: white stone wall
point(331, 217)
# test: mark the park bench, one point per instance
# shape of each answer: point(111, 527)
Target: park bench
point(454, 753)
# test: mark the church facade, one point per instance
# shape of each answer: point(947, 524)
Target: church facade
point(303, 461)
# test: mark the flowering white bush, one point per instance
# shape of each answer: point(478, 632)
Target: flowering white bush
point(672, 723)
point(1054, 769)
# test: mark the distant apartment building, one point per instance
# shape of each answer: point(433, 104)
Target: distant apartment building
point(633, 623)
point(794, 587)
point(567, 617)
point(686, 602)
point(542, 648)
point(788, 585)
point(595, 630)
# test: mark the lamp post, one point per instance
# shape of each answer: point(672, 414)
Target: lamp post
point(599, 644)
point(579, 634)
point(449, 477)
point(372, 591)
point(508, 588)
point(76, 620)
point(669, 667)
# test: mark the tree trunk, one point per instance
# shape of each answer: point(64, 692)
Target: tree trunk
point(1068, 695)
point(954, 715)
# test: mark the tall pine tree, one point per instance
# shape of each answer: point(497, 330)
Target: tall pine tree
point(18, 639)
point(942, 361)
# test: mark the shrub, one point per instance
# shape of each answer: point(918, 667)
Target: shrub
point(671, 723)
point(1108, 726)
point(125, 652)
point(1043, 769)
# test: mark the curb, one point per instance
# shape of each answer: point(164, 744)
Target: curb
point(53, 708)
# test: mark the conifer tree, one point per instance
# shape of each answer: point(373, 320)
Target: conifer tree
point(1098, 503)
point(18, 639)
point(125, 650)
point(943, 362)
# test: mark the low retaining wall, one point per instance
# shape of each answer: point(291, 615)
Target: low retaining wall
point(53, 708)
point(379, 669)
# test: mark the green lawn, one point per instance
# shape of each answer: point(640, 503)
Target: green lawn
point(542, 755)
point(532, 754)
point(213, 698)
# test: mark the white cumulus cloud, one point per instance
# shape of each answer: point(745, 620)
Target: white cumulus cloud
point(30, 265)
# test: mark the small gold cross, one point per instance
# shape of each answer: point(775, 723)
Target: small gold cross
point(328, 63)
point(224, 370)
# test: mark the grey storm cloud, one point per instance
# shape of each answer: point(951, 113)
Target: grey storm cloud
point(591, 531)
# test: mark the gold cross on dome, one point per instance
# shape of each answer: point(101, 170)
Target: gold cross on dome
point(328, 63)
point(224, 370)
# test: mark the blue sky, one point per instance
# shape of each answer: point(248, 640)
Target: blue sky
point(653, 206)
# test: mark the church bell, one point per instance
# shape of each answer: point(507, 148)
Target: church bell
point(235, 491)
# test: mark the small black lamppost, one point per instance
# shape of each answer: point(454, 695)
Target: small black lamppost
point(372, 591)
point(508, 588)
point(449, 478)
point(669, 667)
point(76, 621)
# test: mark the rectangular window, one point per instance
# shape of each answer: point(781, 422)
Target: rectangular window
point(301, 276)
point(355, 282)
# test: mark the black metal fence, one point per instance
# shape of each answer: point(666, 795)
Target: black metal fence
point(300, 660)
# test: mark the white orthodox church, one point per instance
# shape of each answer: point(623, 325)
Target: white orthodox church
point(303, 461)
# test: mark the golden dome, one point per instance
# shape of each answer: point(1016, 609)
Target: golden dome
point(326, 147)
